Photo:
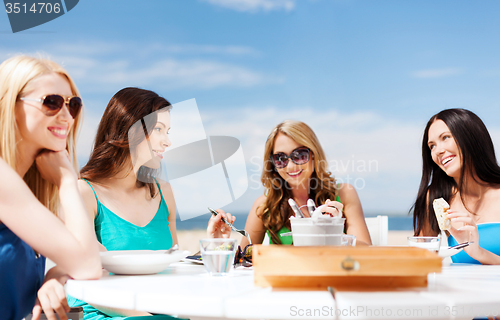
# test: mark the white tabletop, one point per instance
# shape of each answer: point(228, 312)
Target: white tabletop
point(459, 292)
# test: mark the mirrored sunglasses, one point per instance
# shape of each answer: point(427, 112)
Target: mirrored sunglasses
point(298, 156)
point(53, 103)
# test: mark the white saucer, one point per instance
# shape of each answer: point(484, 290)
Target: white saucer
point(139, 261)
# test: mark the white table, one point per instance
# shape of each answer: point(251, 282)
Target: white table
point(459, 292)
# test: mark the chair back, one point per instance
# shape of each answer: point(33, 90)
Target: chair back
point(378, 227)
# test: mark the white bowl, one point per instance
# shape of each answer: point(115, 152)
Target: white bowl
point(139, 261)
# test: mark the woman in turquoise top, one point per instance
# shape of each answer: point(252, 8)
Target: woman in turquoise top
point(460, 166)
point(131, 210)
point(295, 166)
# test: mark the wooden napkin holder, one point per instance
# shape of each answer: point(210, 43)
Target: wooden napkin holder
point(344, 268)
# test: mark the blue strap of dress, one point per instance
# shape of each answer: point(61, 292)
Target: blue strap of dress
point(92, 190)
point(161, 194)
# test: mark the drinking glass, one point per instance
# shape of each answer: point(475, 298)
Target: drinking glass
point(218, 255)
point(348, 240)
point(429, 243)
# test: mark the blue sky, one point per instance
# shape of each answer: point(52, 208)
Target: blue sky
point(365, 75)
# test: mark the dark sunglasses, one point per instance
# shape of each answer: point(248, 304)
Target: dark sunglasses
point(299, 156)
point(243, 257)
point(53, 103)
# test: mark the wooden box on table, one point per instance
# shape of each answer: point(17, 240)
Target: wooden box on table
point(344, 268)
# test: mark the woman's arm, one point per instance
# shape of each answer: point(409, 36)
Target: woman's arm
point(71, 245)
point(168, 195)
point(353, 212)
point(254, 225)
point(467, 232)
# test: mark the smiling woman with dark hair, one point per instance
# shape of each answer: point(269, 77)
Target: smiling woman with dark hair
point(130, 208)
point(460, 166)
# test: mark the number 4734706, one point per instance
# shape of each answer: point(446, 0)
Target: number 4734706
point(40, 7)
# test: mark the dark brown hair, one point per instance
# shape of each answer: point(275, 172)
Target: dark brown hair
point(112, 145)
point(478, 162)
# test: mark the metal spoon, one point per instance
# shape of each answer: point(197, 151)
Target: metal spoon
point(295, 208)
point(174, 248)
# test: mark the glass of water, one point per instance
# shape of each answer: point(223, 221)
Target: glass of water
point(218, 255)
point(429, 243)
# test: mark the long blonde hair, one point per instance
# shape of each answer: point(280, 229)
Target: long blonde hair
point(275, 210)
point(15, 76)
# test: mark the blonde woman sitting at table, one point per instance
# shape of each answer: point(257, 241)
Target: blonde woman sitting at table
point(130, 208)
point(41, 211)
point(295, 167)
point(460, 166)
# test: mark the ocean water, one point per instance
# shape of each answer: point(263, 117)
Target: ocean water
point(395, 222)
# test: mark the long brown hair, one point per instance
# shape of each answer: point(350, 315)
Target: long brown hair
point(478, 162)
point(275, 210)
point(16, 75)
point(111, 152)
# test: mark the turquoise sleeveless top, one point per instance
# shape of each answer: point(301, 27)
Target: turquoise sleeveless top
point(116, 233)
point(489, 239)
point(288, 240)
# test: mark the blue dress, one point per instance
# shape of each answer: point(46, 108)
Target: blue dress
point(489, 239)
point(116, 233)
point(21, 275)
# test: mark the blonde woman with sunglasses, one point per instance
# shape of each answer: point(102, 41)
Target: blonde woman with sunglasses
point(295, 167)
point(41, 211)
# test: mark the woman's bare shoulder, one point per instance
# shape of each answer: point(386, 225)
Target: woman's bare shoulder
point(259, 202)
point(346, 191)
point(85, 189)
point(165, 186)
point(89, 198)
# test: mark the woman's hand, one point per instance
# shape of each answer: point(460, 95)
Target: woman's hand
point(466, 233)
point(217, 228)
point(331, 208)
point(54, 166)
point(52, 297)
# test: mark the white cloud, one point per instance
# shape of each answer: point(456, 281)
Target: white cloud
point(108, 68)
point(171, 74)
point(105, 66)
point(87, 135)
point(437, 73)
point(254, 5)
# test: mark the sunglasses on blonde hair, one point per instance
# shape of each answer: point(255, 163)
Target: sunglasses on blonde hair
point(53, 103)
